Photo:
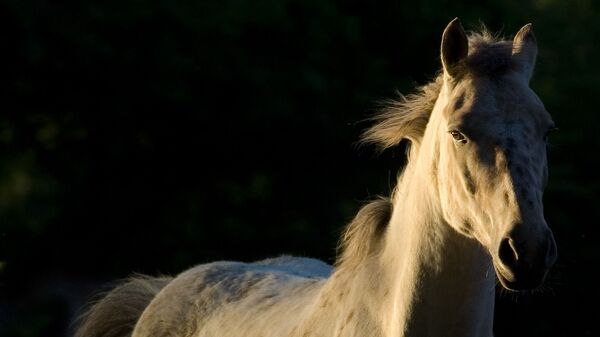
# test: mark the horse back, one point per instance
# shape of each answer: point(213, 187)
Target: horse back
point(265, 298)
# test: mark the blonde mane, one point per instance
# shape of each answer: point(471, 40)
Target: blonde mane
point(362, 236)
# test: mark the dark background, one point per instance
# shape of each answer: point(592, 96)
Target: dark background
point(140, 136)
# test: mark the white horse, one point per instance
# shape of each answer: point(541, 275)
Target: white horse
point(467, 210)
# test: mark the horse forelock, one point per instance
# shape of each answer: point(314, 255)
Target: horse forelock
point(407, 117)
point(489, 55)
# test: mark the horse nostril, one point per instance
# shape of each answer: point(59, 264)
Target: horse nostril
point(508, 252)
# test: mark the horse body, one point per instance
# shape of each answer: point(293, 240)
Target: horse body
point(466, 210)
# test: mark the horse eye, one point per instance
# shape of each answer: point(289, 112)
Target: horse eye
point(458, 137)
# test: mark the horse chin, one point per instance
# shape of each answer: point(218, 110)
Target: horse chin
point(506, 283)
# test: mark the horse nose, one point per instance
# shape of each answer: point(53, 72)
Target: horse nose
point(527, 261)
point(529, 254)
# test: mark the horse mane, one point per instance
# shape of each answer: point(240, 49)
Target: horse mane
point(407, 117)
point(362, 236)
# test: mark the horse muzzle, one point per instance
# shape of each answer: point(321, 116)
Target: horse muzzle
point(523, 264)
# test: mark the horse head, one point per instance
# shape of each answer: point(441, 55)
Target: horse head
point(488, 130)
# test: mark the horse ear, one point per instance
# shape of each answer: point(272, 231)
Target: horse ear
point(455, 47)
point(525, 50)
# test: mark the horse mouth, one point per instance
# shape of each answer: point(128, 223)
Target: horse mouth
point(505, 282)
point(522, 281)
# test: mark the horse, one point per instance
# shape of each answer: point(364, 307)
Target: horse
point(466, 213)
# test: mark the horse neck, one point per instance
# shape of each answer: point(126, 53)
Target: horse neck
point(441, 282)
point(427, 280)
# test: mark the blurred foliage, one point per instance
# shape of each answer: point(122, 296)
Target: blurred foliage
point(152, 136)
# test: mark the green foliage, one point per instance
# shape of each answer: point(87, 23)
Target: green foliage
point(151, 136)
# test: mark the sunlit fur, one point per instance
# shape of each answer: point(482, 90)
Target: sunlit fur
point(421, 263)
